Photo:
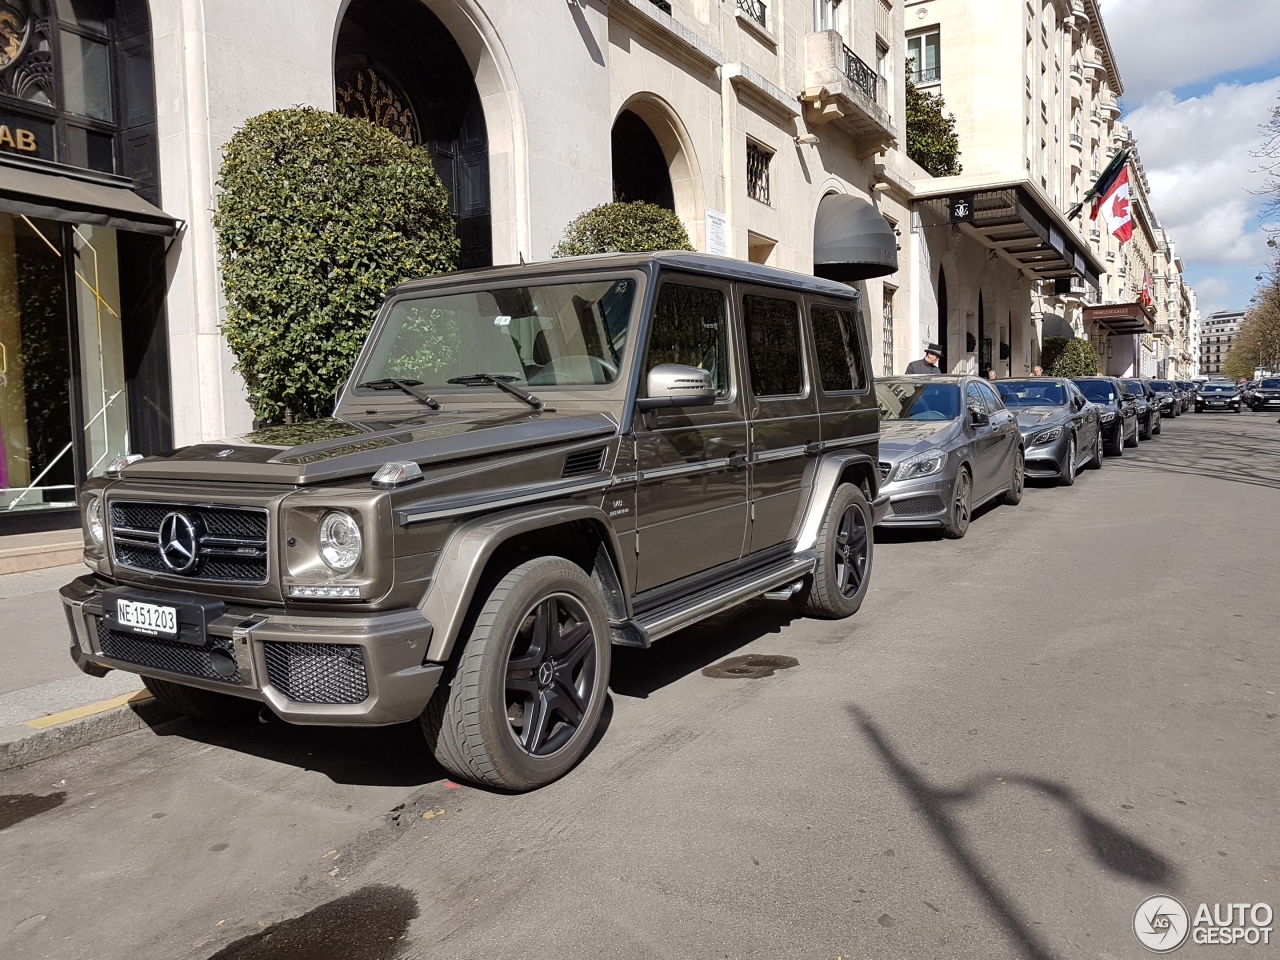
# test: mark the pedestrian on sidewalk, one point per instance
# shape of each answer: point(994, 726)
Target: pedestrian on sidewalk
point(929, 365)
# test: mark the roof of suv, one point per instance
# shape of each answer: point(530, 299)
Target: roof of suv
point(704, 263)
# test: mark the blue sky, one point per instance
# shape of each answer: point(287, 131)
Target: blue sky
point(1200, 78)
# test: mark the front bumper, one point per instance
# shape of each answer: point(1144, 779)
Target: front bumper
point(1226, 406)
point(917, 503)
point(390, 645)
point(1047, 461)
point(1266, 403)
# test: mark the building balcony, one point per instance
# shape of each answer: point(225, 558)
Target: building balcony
point(839, 87)
point(1076, 140)
point(756, 11)
point(1164, 330)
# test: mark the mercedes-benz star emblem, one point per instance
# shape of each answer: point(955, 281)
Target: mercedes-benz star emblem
point(179, 542)
point(546, 672)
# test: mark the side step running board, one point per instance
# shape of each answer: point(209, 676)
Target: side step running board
point(781, 577)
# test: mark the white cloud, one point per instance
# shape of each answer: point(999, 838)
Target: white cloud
point(1197, 155)
point(1167, 44)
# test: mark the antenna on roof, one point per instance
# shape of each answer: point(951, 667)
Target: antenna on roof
point(521, 252)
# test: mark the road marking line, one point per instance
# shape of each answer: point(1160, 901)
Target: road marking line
point(102, 706)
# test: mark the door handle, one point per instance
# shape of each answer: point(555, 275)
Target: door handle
point(736, 461)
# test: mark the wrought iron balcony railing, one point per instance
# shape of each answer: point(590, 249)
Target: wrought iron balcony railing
point(755, 9)
point(926, 75)
point(860, 74)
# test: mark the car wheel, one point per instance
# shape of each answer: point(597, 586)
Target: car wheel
point(1018, 483)
point(1157, 427)
point(957, 525)
point(1144, 429)
point(1095, 461)
point(528, 690)
point(1069, 467)
point(1117, 447)
point(201, 704)
point(845, 547)
point(1132, 441)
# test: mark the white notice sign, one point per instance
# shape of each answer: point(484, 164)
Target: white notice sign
point(717, 233)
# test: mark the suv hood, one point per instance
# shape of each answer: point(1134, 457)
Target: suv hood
point(321, 451)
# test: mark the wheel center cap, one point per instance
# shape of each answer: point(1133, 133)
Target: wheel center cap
point(546, 673)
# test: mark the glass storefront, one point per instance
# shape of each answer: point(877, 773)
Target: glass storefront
point(63, 399)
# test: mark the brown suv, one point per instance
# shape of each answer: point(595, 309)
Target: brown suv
point(527, 465)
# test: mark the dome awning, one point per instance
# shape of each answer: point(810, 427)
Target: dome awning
point(852, 241)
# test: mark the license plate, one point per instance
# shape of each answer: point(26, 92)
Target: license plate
point(148, 618)
point(1217, 403)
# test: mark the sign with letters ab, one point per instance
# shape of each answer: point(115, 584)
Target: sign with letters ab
point(26, 136)
point(962, 209)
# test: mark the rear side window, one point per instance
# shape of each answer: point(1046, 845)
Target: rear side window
point(835, 336)
point(773, 346)
point(689, 327)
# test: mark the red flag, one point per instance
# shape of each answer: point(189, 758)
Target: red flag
point(1148, 293)
point(1113, 204)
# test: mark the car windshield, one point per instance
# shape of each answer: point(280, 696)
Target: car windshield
point(554, 334)
point(1161, 385)
point(1099, 391)
point(1135, 386)
point(910, 400)
point(1269, 385)
point(1032, 393)
point(1218, 388)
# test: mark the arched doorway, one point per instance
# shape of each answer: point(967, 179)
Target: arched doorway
point(639, 165)
point(399, 67)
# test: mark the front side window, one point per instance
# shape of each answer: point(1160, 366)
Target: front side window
point(835, 336)
point(1099, 391)
point(773, 346)
point(690, 327)
point(973, 399)
point(555, 334)
point(993, 401)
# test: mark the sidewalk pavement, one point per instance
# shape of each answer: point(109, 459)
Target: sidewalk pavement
point(47, 706)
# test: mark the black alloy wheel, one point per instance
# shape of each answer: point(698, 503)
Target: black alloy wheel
point(961, 507)
point(1069, 466)
point(1095, 460)
point(1132, 441)
point(525, 699)
point(845, 548)
point(1117, 446)
point(1144, 428)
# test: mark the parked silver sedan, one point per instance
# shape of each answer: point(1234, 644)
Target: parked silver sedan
point(947, 445)
point(1061, 429)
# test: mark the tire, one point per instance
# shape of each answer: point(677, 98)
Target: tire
point(845, 547)
point(1144, 430)
point(1132, 442)
point(1070, 466)
point(1095, 461)
point(478, 725)
point(1018, 484)
point(1159, 426)
point(957, 523)
point(1117, 448)
point(200, 704)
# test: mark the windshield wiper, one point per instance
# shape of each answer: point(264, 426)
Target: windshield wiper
point(391, 383)
point(501, 381)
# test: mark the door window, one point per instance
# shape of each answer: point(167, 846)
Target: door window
point(835, 336)
point(974, 399)
point(994, 402)
point(689, 327)
point(773, 346)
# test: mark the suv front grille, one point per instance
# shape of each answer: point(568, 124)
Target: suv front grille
point(216, 661)
point(230, 542)
point(317, 672)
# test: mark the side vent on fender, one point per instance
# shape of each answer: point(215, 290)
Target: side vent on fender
point(583, 462)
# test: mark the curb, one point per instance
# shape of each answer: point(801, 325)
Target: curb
point(60, 733)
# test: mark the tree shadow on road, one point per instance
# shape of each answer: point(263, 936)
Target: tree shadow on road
point(1230, 456)
point(1114, 849)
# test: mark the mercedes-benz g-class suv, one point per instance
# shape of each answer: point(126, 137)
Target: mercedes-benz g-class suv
point(527, 465)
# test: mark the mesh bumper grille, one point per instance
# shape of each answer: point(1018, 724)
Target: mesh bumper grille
point(317, 672)
point(917, 506)
point(216, 661)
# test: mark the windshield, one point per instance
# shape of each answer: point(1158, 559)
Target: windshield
point(1032, 393)
point(907, 400)
point(1099, 391)
point(1134, 386)
point(1161, 385)
point(558, 335)
point(1269, 385)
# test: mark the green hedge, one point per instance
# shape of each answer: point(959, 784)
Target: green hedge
point(317, 217)
point(623, 228)
point(1068, 357)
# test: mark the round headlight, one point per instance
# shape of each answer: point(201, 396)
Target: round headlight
point(93, 520)
point(340, 542)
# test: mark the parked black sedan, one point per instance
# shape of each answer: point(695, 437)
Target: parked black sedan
point(1061, 430)
point(1188, 394)
point(1148, 407)
point(1267, 395)
point(1118, 414)
point(1166, 392)
point(1219, 395)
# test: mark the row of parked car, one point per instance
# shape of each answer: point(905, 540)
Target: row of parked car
point(949, 444)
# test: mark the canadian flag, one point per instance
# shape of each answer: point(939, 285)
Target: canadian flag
point(1113, 204)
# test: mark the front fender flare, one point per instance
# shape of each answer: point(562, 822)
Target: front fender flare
point(826, 478)
point(464, 557)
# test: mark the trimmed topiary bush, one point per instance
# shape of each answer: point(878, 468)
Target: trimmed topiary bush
point(1068, 357)
point(623, 228)
point(318, 216)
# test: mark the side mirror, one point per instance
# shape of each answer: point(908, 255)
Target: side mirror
point(676, 385)
point(979, 418)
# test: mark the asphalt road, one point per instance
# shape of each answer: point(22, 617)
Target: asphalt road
point(1020, 737)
